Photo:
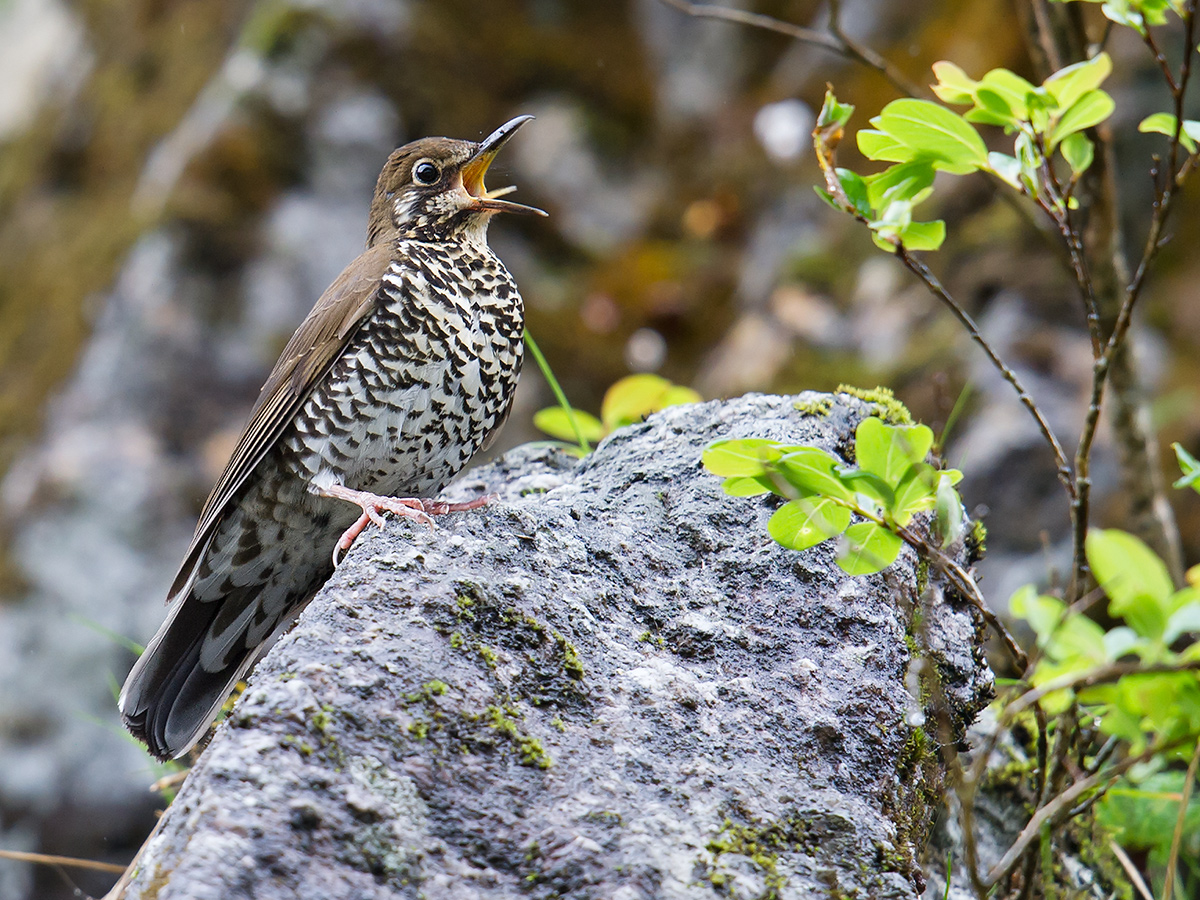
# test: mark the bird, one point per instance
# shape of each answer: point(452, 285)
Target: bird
point(402, 372)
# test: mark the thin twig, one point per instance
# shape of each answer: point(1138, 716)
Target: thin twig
point(1116, 340)
point(824, 146)
point(1177, 837)
point(1131, 870)
point(936, 288)
point(46, 859)
point(1052, 811)
point(961, 579)
point(1091, 678)
point(834, 40)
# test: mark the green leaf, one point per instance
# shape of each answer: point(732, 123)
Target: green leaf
point(1121, 12)
point(923, 235)
point(949, 521)
point(997, 108)
point(1190, 467)
point(916, 492)
point(868, 548)
point(1121, 641)
point(741, 457)
point(903, 182)
point(1078, 638)
point(1133, 577)
point(883, 147)
point(1078, 151)
point(1164, 123)
point(631, 399)
point(954, 85)
point(1185, 620)
point(855, 189)
point(1014, 90)
point(888, 450)
point(1069, 84)
point(1006, 167)
point(1042, 612)
point(748, 486)
point(935, 133)
point(1090, 109)
point(555, 422)
point(811, 470)
point(834, 113)
point(804, 523)
point(868, 485)
point(1143, 813)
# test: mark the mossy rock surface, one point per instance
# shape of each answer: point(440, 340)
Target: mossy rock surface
point(477, 711)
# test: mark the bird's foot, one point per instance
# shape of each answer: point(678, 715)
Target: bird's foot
point(373, 505)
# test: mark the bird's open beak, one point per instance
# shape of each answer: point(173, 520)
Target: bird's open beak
point(477, 166)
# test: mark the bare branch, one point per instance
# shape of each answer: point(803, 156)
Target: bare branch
point(1056, 809)
point(834, 40)
point(1090, 678)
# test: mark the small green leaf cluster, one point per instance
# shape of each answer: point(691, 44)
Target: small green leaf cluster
point(1139, 14)
point(891, 483)
point(626, 402)
point(922, 138)
point(1162, 703)
point(1165, 123)
point(922, 142)
point(1045, 118)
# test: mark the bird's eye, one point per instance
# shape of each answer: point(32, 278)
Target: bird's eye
point(426, 172)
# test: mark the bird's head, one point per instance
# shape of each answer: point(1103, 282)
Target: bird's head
point(432, 189)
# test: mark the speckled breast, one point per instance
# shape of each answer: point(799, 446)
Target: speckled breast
point(427, 380)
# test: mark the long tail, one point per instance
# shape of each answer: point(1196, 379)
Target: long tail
point(170, 697)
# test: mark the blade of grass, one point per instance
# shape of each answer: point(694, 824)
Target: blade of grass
point(1177, 837)
point(558, 391)
point(129, 644)
point(955, 411)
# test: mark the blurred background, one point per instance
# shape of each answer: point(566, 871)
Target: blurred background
point(181, 179)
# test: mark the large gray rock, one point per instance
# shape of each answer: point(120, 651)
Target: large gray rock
point(611, 683)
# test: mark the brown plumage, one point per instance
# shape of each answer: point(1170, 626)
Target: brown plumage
point(404, 369)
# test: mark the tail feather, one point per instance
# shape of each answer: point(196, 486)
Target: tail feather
point(170, 697)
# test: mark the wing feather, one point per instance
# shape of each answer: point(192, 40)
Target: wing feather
point(310, 353)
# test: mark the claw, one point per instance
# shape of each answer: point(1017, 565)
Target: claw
point(372, 505)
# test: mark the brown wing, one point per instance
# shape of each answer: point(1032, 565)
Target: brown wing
point(306, 358)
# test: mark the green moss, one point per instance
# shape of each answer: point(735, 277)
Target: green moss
point(977, 541)
point(922, 579)
point(887, 407)
point(513, 616)
point(304, 747)
point(558, 723)
point(572, 664)
point(463, 611)
point(818, 408)
point(917, 797)
point(530, 752)
point(487, 654)
point(761, 843)
point(456, 640)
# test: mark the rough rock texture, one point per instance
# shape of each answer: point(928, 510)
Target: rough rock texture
point(610, 683)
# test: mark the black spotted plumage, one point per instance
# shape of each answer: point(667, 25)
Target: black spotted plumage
point(403, 371)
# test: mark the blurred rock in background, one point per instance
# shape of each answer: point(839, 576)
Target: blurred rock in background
point(180, 179)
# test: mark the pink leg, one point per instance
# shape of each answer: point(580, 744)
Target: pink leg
point(372, 505)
